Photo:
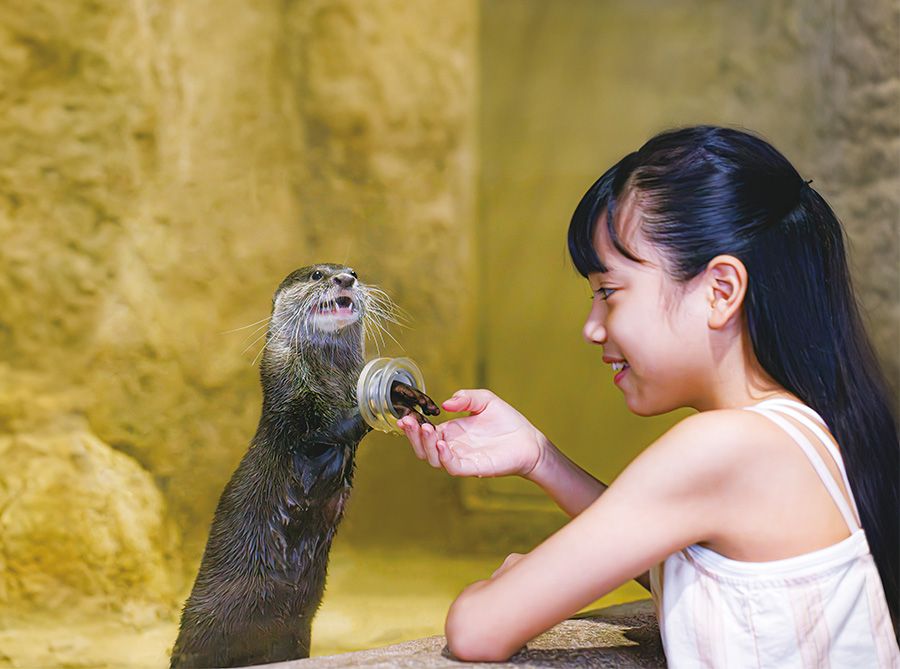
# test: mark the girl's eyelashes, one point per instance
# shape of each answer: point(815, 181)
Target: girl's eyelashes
point(604, 293)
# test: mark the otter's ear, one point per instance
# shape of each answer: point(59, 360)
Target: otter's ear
point(725, 281)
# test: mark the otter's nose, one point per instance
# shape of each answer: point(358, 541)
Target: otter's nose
point(344, 280)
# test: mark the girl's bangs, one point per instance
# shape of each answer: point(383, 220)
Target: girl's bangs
point(584, 221)
point(599, 199)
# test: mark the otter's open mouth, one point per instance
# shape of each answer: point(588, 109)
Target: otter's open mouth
point(340, 306)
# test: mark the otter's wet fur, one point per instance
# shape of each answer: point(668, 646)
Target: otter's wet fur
point(262, 575)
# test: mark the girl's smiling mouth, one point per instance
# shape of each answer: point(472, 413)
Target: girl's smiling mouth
point(620, 367)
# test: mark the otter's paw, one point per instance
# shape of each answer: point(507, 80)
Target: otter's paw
point(407, 400)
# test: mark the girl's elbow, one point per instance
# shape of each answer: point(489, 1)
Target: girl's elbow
point(470, 639)
point(475, 649)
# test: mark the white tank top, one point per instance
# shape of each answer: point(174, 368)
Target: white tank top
point(821, 609)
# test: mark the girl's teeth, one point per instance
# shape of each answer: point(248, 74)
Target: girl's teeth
point(618, 366)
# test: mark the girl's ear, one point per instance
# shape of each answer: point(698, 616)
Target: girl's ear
point(726, 286)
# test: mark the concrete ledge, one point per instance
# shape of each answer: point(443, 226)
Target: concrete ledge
point(618, 636)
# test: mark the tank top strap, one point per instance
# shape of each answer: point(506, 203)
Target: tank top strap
point(811, 420)
point(793, 409)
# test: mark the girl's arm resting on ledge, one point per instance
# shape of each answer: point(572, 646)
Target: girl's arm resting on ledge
point(571, 487)
point(669, 497)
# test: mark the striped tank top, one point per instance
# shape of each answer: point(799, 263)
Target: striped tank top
point(817, 610)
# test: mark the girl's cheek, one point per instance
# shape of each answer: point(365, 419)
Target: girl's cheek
point(615, 323)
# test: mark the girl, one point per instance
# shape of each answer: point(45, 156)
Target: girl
point(768, 520)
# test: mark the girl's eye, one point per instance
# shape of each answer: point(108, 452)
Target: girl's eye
point(604, 293)
point(315, 276)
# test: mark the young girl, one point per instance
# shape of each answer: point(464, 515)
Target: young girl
point(768, 521)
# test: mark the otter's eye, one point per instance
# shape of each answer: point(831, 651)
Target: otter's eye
point(315, 276)
point(353, 274)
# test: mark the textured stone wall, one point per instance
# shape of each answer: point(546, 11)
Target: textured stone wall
point(164, 166)
point(861, 133)
point(387, 94)
point(832, 72)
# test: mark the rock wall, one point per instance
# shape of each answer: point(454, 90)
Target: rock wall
point(826, 78)
point(164, 166)
point(861, 133)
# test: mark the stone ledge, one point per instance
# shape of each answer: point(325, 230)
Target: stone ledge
point(617, 636)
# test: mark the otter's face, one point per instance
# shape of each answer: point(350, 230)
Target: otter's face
point(323, 298)
point(338, 304)
point(326, 304)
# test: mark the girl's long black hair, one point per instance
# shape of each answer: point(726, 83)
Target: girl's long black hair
point(706, 191)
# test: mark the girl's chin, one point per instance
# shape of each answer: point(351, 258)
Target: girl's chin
point(640, 406)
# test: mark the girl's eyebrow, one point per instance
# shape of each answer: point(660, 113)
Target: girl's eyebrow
point(611, 269)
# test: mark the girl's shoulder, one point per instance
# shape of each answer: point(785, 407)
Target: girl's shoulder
point(710, 441)
point(698, 455)
point(692, 475)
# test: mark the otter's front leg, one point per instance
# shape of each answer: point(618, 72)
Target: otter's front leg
point(405, 399)
point(348, 428)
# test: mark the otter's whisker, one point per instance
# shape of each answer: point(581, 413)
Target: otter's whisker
point(302, 323)
point(387, 306)
point(244, 327)
point(386, 317)
point(378, 321)
point(387, 332)
point(250, 345)
point(375, 319)
point(373, 332)
point(369, 334)
point(308, 304)
point(263, 327)
point(390, 312)
point(266, 344)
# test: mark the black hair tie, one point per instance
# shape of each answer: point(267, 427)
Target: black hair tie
point(805, 188)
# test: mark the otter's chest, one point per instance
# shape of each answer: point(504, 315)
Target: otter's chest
point(312, 498)
point(305, 530)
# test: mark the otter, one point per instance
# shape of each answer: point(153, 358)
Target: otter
point(262, 575)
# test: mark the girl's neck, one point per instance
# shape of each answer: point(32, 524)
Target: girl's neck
point(739, 381)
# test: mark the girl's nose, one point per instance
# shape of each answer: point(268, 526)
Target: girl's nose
point(594, 332)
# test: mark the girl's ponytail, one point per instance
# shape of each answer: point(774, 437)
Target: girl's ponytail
point(809, 335)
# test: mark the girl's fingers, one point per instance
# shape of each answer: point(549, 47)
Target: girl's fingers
point(429, 439)
point(452, 429)
point(455, 462)
point(429, 444)
point(446, 457)
point(413, 432)
point(474, 401)
point(423, 439)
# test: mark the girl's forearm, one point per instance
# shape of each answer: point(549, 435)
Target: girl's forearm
point(572, 488)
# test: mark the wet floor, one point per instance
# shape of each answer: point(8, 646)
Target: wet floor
point(374, 597)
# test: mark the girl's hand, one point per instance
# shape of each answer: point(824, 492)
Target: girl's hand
point(494, 440)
